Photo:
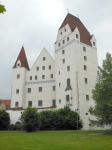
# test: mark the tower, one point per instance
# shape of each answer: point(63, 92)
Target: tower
point(18, 80)
point(75, 67)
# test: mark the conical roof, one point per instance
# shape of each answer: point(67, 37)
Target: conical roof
point(75, 22)
point(23, 59)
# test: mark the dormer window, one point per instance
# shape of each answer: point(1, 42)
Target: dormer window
point(44, 58)
point(18, 64)
point(65, 30)
point(61, 33)
point(67, 38)
point(94, 43)
point(59, 44)
point(63, 41)
point(77, 36)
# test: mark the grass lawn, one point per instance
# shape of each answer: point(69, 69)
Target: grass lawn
point(56, 140)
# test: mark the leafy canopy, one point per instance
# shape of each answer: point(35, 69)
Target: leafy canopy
point(102, 94)
point(4, 120)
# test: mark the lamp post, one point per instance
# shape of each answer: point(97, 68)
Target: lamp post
point(77, 118)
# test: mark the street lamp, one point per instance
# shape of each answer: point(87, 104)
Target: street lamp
point(77, 118)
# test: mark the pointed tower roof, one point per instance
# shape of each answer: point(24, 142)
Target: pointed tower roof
point(75, 22)
point(23, 59)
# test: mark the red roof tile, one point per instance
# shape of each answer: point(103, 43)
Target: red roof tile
point(6, 102)
point(75, 22)
point(23, 59)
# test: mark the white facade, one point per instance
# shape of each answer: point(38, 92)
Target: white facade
point(74, 60)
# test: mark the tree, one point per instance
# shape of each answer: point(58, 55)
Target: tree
point(102, 93)
point(4, 120)
point(2, 9)
point(30, 119)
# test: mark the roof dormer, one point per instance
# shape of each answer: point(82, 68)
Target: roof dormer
point(18, 64)
point(93, 41)
point(76, 34)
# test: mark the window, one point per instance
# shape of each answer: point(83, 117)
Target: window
point(29, 103)
point(84, 49)
point(68, 82)
point(35, 77)
point(94, 43)
point(16, 104)
point(53, 102)
point(39, 102)
point(30, 77)
point(59, 44)
point(59, 72)
point(85, 80)
point(18, 64)
point(17, 91)
point(44, 58)
point(29, 90)
point(37, 68)
point(85, 58)
point(67, 38)
point(68, 68)
point(67, 98)
point(59, 101)
point(53, 88)
point(40, 89)
point(49, 66)
point(51, 75)
point(43, 76)
point(77, 36)
point(59, 84)
point(61, 33)
point(87, 97)
point(86, 113)
point(65, 30)
point(63, 60)
point(18, 76)
point(63, 41)
point(43, 67)
point(63, 51)
point(85, 68)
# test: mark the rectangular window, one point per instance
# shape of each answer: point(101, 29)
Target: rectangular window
point(87, 97)
point(51, 75)
point(53, 88)
point(29, 103)
point(59, 72)
point(59, 44)
point(85, 68)
point(86, 80)
point(37, 68)
point(16, 104)
point(18, 76)
point(17, 91)
point(63, 51)
point(53, 102)
point(44, 58)
point(40, 89)
point(30, 77)
point(85, 58)
point(63, 61)
point(59, 84)
point(43, 67)
point(35, 77)
point(49, 66)
point(67, 38)
point(68, 82)
point(67, 98)
point(68, 68)
point(63, 41)
point(77, 36)
point(60, 101)
point(29, 90)
point(94, 43)
point(39, 102)
point(43, 76)
point(84, 49)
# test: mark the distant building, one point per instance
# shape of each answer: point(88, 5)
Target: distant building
point(5, 104)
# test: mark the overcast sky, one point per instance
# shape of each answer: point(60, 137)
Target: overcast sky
point(35, 24)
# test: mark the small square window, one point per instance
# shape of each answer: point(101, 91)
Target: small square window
point(17, 91)
point(29, 90)
point(44, 58)
point(30, 77)
point(63, 41)
point(29, 103)
point(18, 76)
point(63, 60)
point(84, 49)
point(67, 38)
point(77, 36)
point(40, 89)
point(39, 102)
point(63, 51)
point(51, 75)
point(43, 67)
point(60, 101)
point(85, 58)
point(67, 98)
point(59, 72)
point(53, 88)
point(37, 68)
point(35, 77)
point(94, 43)
point(85, 68)
point(59, 44)
point(16, 104)
point(87, 97)
point(43, 76)
point(68, 68)
point(49, 66)
point(86, 113)
point(86, 80)
point(53, 102)
point(59, 84)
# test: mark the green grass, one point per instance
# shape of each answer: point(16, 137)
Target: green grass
point(56, 140)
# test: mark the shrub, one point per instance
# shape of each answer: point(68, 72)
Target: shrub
point(4, 120)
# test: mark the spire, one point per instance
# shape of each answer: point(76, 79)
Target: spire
point(75, 22)
point(22, 58)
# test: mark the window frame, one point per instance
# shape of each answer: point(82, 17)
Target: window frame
point(51, 75)
point(68, 68)
point(35, 77)
point(18, 76)
point(17, 91)
point(40, 89)
point(85, 67)
point(30, 77)
point(37, 68)
point(39, 102)
point(43, 76)
point(44, 58)
point(53, 102)
point(68, 82)
point(17, 104)
point(67, 98)
point(68, 38)
point(87, 97)
point(29, 90)
point(49, 67)
point(54, 88)
point(29, 103)
point(43, 67)
point(84, 49)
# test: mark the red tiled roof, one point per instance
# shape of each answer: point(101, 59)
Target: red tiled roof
point(75, 22)
point(6, 102)
point(23, 59)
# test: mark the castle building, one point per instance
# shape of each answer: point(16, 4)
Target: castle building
point(66, 81)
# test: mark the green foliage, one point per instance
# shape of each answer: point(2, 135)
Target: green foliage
point(4, 120)
point(62, 119)
point(2, 9)
point(102, 94)
point(30, 119)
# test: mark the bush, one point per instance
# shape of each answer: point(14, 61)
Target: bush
point(4, 120)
